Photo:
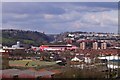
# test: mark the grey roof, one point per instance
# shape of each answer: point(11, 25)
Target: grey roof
point(46, 73)
point(28, 72)
point(18, 72)
point(37, 73)
point(11, 71)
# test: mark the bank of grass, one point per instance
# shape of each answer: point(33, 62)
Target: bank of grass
point(30, 63)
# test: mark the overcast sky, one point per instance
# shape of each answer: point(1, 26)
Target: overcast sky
point(57, 17)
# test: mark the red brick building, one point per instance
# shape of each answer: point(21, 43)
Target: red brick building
point(4, 58)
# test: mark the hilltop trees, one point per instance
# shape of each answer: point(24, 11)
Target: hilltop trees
point(10, 37)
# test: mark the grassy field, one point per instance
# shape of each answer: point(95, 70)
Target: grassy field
point(30, 63)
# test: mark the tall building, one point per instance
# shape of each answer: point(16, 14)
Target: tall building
point(82, 45)
point(103, 45)
point(95, 45)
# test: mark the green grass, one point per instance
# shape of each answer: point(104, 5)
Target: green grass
point(28, 41)
point(35, 63)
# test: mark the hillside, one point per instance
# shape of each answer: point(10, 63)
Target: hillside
point(10, 37)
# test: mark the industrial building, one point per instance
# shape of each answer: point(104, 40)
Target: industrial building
point(57, 47)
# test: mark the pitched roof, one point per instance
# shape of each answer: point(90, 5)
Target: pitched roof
point(75, 59)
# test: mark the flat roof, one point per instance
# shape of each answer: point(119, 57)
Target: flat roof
point(57, 45)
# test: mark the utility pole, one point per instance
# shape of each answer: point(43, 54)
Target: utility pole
point(118, 45)
point(118, 70)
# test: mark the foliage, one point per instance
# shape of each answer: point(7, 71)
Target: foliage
point(10, 37)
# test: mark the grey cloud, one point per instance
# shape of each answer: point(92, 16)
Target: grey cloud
point(110, 5)
point(30, 8)
point(58, 17)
